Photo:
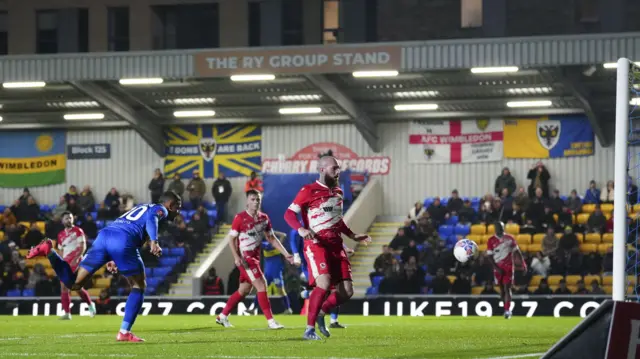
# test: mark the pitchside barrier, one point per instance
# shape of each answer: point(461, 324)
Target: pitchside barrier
point(432, 305)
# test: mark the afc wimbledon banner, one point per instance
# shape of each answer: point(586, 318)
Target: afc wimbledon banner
point(229, 149)
point(548, 137)
point(29, 159)
point(455, 141)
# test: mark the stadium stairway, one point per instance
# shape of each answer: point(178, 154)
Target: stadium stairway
point(382, 232)
point(184, 286)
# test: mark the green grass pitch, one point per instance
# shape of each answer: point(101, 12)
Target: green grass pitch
point(195, 336)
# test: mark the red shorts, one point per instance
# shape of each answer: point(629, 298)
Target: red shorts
point(506, 277)
point(325, 260)
point(251, 270)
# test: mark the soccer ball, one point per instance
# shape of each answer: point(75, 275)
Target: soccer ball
point(464, 250)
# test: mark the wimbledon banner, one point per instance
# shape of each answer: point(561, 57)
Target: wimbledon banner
point(29, 159)
point(456, 141)
point(233, 150)
point(548, 137)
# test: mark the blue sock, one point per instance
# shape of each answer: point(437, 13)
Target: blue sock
point(334, 314)
point(287, 302)
point(132, 308)
point(62, 269)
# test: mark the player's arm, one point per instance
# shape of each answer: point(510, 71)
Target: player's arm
point(83, 242)
point(275, 242)
point(151, 226)
point(232, 237)
point(291, 214)
point(491, 260)
point(344, 229)
point(518, 253)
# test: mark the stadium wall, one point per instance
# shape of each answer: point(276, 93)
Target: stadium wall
point(407, 183)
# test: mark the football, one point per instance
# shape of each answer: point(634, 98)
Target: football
point(464, 250)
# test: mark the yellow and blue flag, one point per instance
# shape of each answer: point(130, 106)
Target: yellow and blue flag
point(235, 150)
point(30, 159)
point(548, 137)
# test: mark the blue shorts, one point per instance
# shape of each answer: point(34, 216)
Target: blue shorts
point(113, 245)
point(273, 271)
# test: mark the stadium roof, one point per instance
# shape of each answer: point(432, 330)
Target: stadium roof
point(563, 74)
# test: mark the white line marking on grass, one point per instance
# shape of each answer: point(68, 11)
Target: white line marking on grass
point(518, 356)
point(74, 355)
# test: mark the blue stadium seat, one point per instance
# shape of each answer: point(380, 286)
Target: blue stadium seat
point(150, 290)
point(161, 272)
point(2, 208)
point(13, 293)
point(100, 224)
point(444, 201)
point(451, 240)
point(452, 220)
point(564, 198)
point(210, 206)
point(168, 261)
point(424, 267)
point(122, 291)
point(94, 215)
point(186, 205)
point(462, 230)
point(44, 208)
point(428, 279)
point(29, 293)
point(372, 291)
point(420, 247)
point(375, 281)
point(154, 281)
point(148, 272)
point(97, 206)
point(176, 252)
point(212, 213)
point(445, 230)
point(427, 202)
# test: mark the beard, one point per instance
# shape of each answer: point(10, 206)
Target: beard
point(331, 180)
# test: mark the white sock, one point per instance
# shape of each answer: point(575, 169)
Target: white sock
point(311, 327)
point(271, 321)
point(124, 331)
point(222, 316)
point(334, 320)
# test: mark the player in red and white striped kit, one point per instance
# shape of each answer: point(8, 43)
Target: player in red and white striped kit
point(320, 205)
point(247, 231)
point(72, 243)
point(501, 248)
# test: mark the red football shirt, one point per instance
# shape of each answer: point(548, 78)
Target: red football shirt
point(250, 231)
point(321, 209)
point(502, 249)
point(70, 242)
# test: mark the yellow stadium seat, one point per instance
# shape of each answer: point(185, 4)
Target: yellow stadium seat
point(25, 224)
point(633, 280)
point(606, 207)
point(485, 238)
point(452, 278)
point(523, 238)
point(553, 288)
point(23, 252)
point(636, 207)
point(588, 248)
point(478, 229)
point(538, 237)
point(555, 218)
point(475, 237)
point(554, 279)
point(603, 247)
point(559, 235)
point(572, 279)
point(607, 280)
point(588, 208)
point(95, 292)
point(590, 278)
point(31, 262)
point(583, 218)
point(608, 289)
point(1, 236)
point(41, 226)
point(103, 282)
point(534, 248)
point(631, 290)
point(580, 237)
point(572, 288)
point(607, 216)
point(477, 290)
point(535, 280)
point(482, 247)
point(523, 247)
point(491, 229)
point(512, 228)
point(50, 272)
point(607, 238)
point(593, 238)
point(100, 271)
point(532, 288)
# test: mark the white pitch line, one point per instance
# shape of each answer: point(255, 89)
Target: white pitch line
point(74, 355)
point(518, 356)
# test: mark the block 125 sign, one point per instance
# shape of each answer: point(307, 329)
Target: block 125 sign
point(91, 151)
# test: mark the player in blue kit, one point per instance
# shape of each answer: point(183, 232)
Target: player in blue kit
point(274, 272)
point(118, 246)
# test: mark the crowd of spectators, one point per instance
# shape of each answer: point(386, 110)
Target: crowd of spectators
point(566, 241)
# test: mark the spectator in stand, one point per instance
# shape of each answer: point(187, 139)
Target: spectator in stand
point(198, 226)
point(438, 212)
point(196, 189)
point(17, 208)
point(455, 203)
point(254, 182)
point(59, 209)
point(38, 280)
point(574, 202)
point(72, 206)
point(389, 285)
point(400, 241)
point(522, 290)
point(485, 214)
point(177, 185)
point(112, 203)
point(562, 288)
point(607, 194)
point(568, 242)
point(539, 176)
point(71, 194)
point(550, 243)
point(410, 251)
point(467, 215)
point(90, 227)
point(543, 288)
point(14, 232)
point(86, 200)
point(156, 185)
point(416, 211)
point(540, 264)
point(522, 199)
point(53, 227)
point(462, 284)
point(482, 270)
point(213, 284)
point(514, 215)
point(31, 212)
point(505, 181)
point(565, 219)
point(32, 238)
point(489, 289)
point(506, 199)
point(382, 262)
point(233, 282)
point(555, 202)
point(548, 220)
point(221, 191)
point(440, 284)
point(597, 222)
point(412, 279)
point(581, 288)
point(24, 197)
point(535, 213)
point(103, 303)
point(595, 287)
point(592, 262)
point(592, 196)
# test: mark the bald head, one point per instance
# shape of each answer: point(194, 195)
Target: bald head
point(329, 170)
point(326, 161)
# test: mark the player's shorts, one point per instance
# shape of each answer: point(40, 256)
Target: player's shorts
point(112, 245)
point(506, 277)
point(251, 270)
point(324, 260)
